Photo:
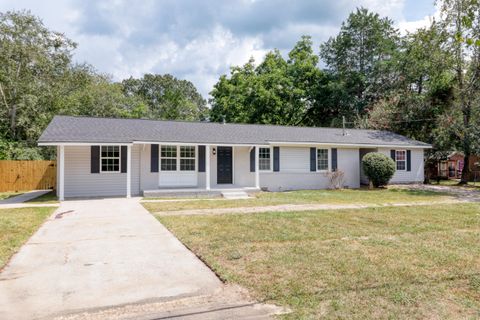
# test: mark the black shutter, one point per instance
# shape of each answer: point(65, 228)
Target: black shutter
point(252, 160)
point(392, 154)
point(123, 157)
point(313, 159)
point(154, 158)
point(334, 159)
point(409, 160)
point(201, 158)
point(95, 159)
point(276, 158)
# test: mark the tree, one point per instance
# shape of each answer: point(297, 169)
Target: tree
point(38, 80)
point(277, 91)
point(86, 93)
point(167, 97)
point(360, 55)
point(32, 62)
point(422, 93)
point(461, 21)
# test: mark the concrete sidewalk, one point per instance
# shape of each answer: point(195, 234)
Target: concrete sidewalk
point(296, 207)
point(96, 254)
point(25, 197)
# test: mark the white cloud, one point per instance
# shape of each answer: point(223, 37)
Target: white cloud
point(193, 40)
point(411, 26)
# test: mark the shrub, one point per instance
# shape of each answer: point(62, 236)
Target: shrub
point(378, 167)
point(336, 179)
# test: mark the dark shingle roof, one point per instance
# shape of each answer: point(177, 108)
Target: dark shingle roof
point(109, 130)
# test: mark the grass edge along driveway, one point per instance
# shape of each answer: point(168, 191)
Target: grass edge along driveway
point(402, 263)
point(17, 226)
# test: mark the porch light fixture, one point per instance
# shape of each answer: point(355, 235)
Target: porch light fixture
point(214, 151)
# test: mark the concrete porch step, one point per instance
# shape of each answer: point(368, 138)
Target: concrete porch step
point(235, 194)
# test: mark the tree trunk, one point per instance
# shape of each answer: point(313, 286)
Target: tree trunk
point(466, 168)
point(13, 121)
point(466, 144)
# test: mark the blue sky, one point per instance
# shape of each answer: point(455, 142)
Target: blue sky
point(199, 40)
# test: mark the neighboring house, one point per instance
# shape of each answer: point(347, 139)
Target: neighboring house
point(451, 167)
point(124, 157)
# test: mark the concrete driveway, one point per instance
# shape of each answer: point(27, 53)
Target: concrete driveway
point(99, 253)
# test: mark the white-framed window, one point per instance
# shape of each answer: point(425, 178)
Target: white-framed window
point(322, 159)
point(178, 158)
point(187, 158)
point(401, 160)
point(264, 159)
point(110, 159)
point(168, 158)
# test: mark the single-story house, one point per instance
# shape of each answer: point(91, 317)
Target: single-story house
point(124, 157)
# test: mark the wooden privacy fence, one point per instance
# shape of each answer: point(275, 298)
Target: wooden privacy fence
point(20, 175)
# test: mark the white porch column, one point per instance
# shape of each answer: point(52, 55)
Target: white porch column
point(207, 167)
point(129, 171)
point(61, 172)
point(257, 171)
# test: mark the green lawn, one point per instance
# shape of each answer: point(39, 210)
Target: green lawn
point(356, 196)
point(7, 195)
point(384, 263)
point(50, 197)
point(16, 226)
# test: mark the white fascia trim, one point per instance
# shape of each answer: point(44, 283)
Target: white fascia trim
point(348, 145)
point(83, 144)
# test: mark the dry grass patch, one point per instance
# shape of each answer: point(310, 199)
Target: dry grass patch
point(357, 196)
point(8, 195)
point(49, 197)
point(406, 262)
point(16, 226)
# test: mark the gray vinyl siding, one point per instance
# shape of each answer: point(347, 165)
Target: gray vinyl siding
point(295, 172)
point(79, 182)
point(416, 175)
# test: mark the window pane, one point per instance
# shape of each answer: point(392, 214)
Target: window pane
point(187, 164)
point(264, 158)
point(264, 164)
point(169, 152)
point(110, 158)
point(187, 152)
point(169, 165)
point(400, 157)
point(116, 151)
point(322, 159)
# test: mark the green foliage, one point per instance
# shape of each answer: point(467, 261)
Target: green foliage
point(19, 151)
point(32, 62)
point(424, 88)
point(361, 55)
point(166, 97)
point(461, 22)
point(277, 91)
point(38, 80)
point(379, 168)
